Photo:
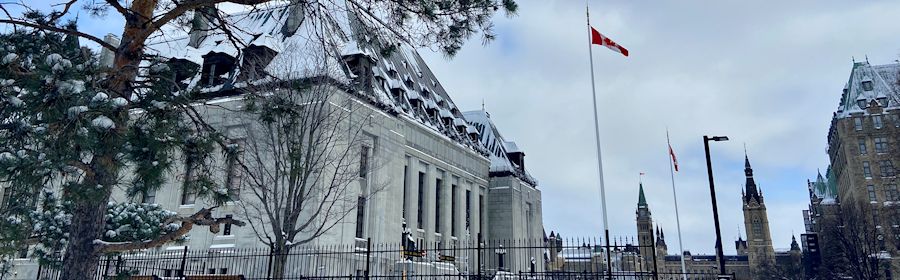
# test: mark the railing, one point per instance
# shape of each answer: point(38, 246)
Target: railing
point(573, 259)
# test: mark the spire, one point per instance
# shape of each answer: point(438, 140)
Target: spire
point(794, 245)
point(751, 192)
point(660, 237)
point(642, 201)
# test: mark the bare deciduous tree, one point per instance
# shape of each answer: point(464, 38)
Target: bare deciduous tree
point(857, 245)
point(306, 161)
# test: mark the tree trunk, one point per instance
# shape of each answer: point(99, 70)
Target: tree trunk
point(279, 262)
point(81, 257)
point(89, 210)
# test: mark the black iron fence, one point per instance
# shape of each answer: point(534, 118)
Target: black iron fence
point(571, 259)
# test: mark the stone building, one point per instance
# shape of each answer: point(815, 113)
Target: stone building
point(449, 176)
point(756, 222)
point(753, 255)
point(860, 187)
point(645, 235)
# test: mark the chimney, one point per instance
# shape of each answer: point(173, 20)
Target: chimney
point(200, 25)
point(295, 17)
point(107, 56)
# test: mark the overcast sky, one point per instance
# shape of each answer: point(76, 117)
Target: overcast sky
point(767, 75)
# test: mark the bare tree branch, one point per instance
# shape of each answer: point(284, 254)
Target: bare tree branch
point(61, 30)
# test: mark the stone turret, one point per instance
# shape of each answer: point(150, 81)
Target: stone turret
point(756, 222)
point(644, 228)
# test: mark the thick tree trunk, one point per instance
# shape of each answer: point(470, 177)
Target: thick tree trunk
point(81, 257)
point(88, 216)
point(279, 262)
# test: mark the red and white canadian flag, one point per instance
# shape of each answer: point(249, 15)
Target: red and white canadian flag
point(599, 39)
point(674, 160)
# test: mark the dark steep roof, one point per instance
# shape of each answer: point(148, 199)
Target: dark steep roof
point(400, 83)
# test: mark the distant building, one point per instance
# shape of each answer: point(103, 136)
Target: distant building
point(754, 255)
point(861, 176)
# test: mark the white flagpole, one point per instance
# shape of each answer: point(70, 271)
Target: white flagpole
point(675, 197)
point(597, 139)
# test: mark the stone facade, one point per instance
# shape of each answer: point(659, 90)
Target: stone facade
point(756, 222)
point(753, 254)
point(862, 151)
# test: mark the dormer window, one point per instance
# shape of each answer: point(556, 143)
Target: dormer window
point(867, 85)
point(861, 103)
point(883, 101)
point(409, 82)
point(216, 67)
point(182, 70)
point(254, 62)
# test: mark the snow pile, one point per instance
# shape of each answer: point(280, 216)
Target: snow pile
point(103, 123)
point(74, 111)
point(9, 58)
point(137, 222)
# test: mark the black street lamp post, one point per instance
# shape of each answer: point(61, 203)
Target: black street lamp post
point(500, 252)
point(712, 194)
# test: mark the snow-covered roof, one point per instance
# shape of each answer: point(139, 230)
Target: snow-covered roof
point(824, 188)
point(300, 54)
point(498, 148)
point(867, 84)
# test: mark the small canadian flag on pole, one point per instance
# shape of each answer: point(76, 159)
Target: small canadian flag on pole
point(674, 160)
point(599, 39)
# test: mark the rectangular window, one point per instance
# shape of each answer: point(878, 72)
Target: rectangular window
point(226, 230)
point(437, 205)
point(871, 190)
point(862, 146)
point(360, 216)
point(887, 168)
point(234, 170)
point(481, 219)
point(867, 170)
point(876, 122)
point(468, 208)
point(191, 164)
point(891, 194)
point(453, 204)
point(363, 161)
point(149, 197)
point(405, 188)
point(421, 203)
point(857, 124)
point(876, 217)
point(894, 119)
point(867, 85)
point(881, 145)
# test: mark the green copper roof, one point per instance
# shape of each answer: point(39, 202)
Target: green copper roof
point(642, 201)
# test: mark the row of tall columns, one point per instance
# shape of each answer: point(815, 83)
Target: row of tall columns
point(427, 232)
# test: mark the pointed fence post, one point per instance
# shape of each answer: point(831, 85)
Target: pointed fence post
point(183, 262)
point(269, 264)
point(368, 256)
point(478, 258)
